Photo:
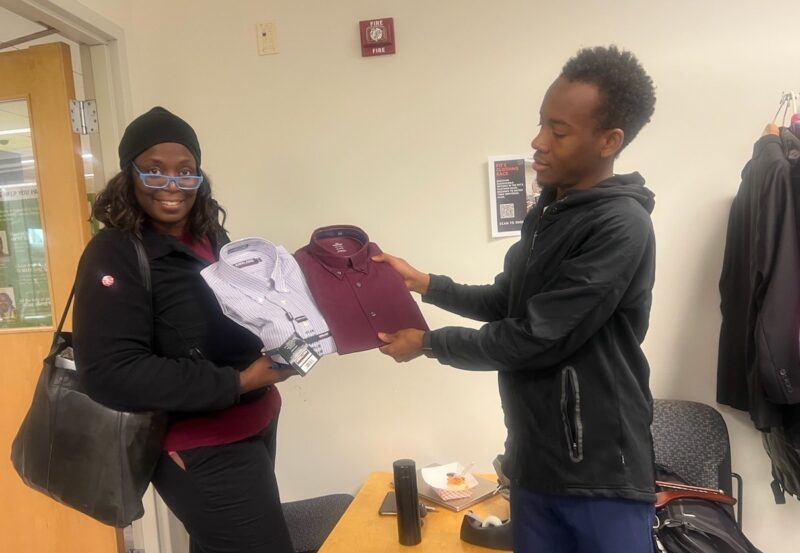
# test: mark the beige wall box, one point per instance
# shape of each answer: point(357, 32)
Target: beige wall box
point(267, 38)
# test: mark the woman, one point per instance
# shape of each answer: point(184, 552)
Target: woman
point(173, 349)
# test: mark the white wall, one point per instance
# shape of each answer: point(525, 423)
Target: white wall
point(397, 145)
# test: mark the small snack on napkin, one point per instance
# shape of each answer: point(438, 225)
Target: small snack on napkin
point(449, 481)
point(456, 481)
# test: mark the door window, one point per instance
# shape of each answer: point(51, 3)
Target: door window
point(24, 284)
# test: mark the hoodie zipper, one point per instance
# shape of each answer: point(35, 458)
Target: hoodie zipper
point(533, 242)
point(551, 209)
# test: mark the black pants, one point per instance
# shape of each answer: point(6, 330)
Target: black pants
point(227, 496)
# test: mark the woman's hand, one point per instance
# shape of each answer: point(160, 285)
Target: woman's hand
point(261, 374)
point(415, 280)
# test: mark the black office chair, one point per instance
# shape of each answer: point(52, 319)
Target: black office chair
point(311, 520)
point(692, 439)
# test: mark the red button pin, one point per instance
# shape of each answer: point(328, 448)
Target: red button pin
point(107, 281)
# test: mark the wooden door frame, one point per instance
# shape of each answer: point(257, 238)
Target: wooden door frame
point(108, 58)
point(42, 77)
point(104, 48)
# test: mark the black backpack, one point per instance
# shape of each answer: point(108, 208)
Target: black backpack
point(699, 521)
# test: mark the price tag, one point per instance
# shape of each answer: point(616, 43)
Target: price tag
point(298, 354)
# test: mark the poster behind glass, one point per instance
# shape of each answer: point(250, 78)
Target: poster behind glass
point(24, 284)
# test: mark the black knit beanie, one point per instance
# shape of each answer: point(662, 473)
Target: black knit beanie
point(156, 127)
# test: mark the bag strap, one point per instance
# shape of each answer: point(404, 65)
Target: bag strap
point(64, 314)
point(144, 273)
point(144, 264)
point(676, 490)
point(663, 498)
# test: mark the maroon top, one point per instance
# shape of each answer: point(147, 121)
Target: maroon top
point(201, 248)
point(357, 296)
point(228, 425)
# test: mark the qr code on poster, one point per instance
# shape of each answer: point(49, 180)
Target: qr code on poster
point(506, 211)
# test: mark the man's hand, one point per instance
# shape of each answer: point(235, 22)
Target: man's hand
point(771, 128)
point(415, 280)
point(403, 345)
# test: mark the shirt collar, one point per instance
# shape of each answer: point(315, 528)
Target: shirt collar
point(333, 262)
point(272, 259)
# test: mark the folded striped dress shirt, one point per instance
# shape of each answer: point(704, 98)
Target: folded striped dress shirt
point(260, 286)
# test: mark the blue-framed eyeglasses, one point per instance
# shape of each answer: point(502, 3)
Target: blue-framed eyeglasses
point(183, 182)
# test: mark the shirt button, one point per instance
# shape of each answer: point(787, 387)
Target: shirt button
point(283, 302)
point(260, 300)
point(358, 284)
point(339, 273)
point(373, 314)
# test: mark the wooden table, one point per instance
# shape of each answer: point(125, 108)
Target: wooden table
point(362, 530)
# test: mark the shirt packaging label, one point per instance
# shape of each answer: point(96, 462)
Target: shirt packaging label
point(298, 354)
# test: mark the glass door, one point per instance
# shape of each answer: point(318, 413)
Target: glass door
point(24, 284)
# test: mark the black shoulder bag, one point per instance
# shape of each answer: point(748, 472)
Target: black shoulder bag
point(79, 452)
point(690, 519)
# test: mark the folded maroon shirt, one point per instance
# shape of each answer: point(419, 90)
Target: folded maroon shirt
point(357, 296)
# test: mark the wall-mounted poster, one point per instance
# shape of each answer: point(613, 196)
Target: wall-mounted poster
point(512, 193)
point(24, 287)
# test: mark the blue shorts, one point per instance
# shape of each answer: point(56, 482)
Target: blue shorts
point(569, 524)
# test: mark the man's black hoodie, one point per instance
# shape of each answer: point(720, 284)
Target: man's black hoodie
point(565, 321)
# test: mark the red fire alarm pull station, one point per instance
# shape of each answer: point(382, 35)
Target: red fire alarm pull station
point(377, 37)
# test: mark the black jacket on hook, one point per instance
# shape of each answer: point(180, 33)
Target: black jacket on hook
point(759, 347)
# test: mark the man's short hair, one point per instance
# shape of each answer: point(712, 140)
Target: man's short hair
point(627, 94)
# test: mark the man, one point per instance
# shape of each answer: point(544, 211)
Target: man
point(565, 321)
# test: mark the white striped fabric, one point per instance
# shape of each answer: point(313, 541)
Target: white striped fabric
point(260, 286)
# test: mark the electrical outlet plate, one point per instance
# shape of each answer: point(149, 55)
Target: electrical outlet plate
point(267, 38)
